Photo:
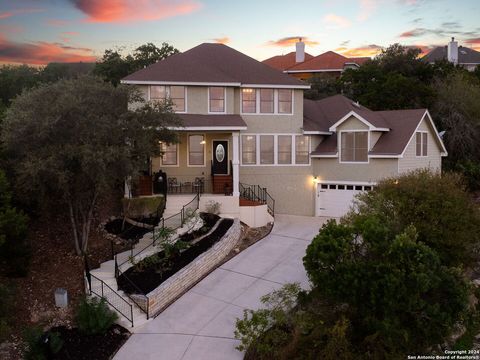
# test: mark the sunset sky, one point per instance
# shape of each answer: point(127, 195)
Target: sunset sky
point(41, 31)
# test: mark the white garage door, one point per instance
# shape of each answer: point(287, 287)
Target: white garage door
point(335, 199)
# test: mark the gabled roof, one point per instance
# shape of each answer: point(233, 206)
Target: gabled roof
point(465, 55)
point(398, 126)
point(283, 62)
point(215, 64)
point(327, 61)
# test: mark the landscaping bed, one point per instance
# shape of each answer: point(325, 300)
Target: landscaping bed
point(148, 274)
point(127, 231)
point(78, 346)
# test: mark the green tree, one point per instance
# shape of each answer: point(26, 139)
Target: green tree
point(322, 87)
point(14, 250)
point(113, 66)
point(442, 212)
point(14, 79)
point(395, 79)
point(397, 294)
point(74, 141)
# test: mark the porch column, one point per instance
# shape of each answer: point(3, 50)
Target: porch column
point(236, 163)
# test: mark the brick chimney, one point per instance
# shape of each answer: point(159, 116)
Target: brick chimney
point(452, 51)
point(299, 51)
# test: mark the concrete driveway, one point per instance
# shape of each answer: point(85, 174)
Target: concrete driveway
point(200, 324)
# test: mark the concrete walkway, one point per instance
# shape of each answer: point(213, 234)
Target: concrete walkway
point(200, 324)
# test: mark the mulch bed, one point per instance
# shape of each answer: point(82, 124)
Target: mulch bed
point(126, 230)
point(77, 346)
point(152, 276)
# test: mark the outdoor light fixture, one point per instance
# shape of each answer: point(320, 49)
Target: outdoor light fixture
point(202, 142)
point(316, 180)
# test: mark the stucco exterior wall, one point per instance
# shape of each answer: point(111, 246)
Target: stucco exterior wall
point(376, 169)
point(411, 162)
point(291, 186)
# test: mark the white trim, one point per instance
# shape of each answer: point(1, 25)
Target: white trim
point(324, 156)
point(208, 128)
point(275, 149)
point(312, 71)
point(193, 83)
point(347, 182)
point(421, 144)
point(339, 145)
point(224, 101)
point(204, 150)
point(358, 117)
point(213, 153)
point(199, 83)
point(442, 153)
point(178, 157)
point(315, 132)
point(267, 86)
point(275, 104)
point(384, 156)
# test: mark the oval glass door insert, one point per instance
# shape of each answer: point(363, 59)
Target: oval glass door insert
point(220, 153)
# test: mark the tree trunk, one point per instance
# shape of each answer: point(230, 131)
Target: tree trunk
point(74, 228)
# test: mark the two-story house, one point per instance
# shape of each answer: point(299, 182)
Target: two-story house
point(247, 123)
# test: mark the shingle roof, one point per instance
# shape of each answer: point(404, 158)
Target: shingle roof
point(212, 63)
point(465, 55)
point(327, 61)
point(283, 62)
point(322, 114)
point(215, 120)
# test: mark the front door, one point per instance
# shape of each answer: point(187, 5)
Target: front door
point(220, 157)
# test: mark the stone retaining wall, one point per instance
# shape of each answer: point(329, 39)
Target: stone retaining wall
point(179, 283)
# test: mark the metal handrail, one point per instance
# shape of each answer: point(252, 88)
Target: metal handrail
point(259, 194)
point(102, 295)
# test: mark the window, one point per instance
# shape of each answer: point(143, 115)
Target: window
point(266, 101)
point(217, 99)
point(354, 146)
point(269, 149)
point(175, 93)
point(196, 150)
point(169, 154)
point(302, 145)
point(285, 101)
point(266, 149)
point(284, 149)
point(249, 101)
point(249, 149)
point(421, 144)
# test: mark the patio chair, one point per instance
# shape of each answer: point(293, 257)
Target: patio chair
point(198, 185)
point(173, 184)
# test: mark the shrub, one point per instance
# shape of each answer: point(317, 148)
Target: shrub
point(267, 330)
point(399, 296)
point(213, 207)
point(94, 317)
point(443, 214)
point(40, 345)
point(14, 250)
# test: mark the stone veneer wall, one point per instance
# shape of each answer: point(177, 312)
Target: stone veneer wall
point(179, 283)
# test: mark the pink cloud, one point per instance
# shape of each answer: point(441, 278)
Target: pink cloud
point(10, 13)
point(41, 53)
point(122, 11)
point(291, 40)
point(222, 40)
point(337, 21)
point(362, 51)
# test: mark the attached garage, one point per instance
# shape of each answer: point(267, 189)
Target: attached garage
point(334, 199)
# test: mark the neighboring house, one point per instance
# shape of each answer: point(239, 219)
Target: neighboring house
point(304, 66)
point(458, 55)
point(245, 122)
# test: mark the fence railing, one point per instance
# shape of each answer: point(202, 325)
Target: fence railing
point(104, 291)
point(258, 194)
